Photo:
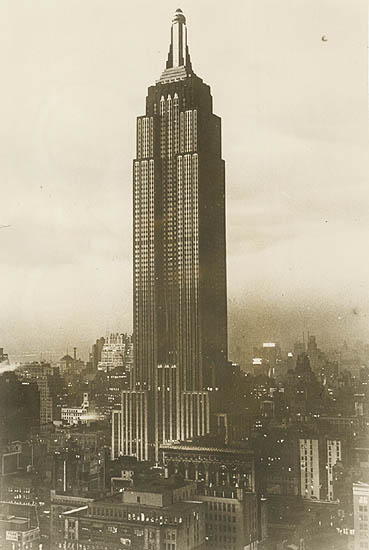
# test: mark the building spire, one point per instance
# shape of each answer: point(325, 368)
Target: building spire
point(178, 58)
point(178, 46)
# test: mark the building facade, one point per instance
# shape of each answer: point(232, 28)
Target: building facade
point(117, 351)
point(361, 515)
point(310, 470)
point(61, 503)
point(318, 456)
point(76, 415)
point(231, 518)
point(215, 466)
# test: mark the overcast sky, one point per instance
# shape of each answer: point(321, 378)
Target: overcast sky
point(74, 76)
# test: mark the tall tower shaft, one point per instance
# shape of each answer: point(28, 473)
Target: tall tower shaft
point(180, 301)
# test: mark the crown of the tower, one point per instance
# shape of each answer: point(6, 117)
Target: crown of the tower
point(179, 63)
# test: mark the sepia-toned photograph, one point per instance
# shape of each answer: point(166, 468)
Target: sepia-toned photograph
point(184, 306)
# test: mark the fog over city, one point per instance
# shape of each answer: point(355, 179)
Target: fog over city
point(289, 81)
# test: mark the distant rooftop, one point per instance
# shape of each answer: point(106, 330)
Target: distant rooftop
point(66, 358)
point(159, 485)
point(206, 448)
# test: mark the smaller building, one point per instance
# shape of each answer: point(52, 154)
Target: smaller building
point(361, 515)
point(9, 458)
point(18, 528)
point(318, 456)
point(116, 434)
point(20, 488)
point(95, 356)
point(19, 408)
point(61, 503)
point(76, 415)
point(70, 365)
point(159, 514)
point(334, 455)
point(216, 465)
point(266, 359)
point(231, 518)
point(117, 351)
point(310, 474)
point(48, 382)
point(4, 358)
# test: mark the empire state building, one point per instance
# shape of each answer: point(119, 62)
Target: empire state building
point(180, 296)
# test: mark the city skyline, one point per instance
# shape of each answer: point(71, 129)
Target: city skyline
point(185, 276)
point(295, 176)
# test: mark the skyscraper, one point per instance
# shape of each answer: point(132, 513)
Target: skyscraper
point(180, 301)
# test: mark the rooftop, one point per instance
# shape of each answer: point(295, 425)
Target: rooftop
point(159, 485)
point(115, 501)
point(197, 446)
point(66, 358)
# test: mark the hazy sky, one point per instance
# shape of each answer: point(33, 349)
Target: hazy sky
point(74, 76)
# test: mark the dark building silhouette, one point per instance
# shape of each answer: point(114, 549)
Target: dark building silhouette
point(96, 352)
point(19, 408)
point(180, 302)
point(50, 386)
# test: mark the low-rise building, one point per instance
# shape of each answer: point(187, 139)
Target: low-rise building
point(61, 503)
point(19, 528)
point(76, 415)
point(69, 366)
point(161, 514)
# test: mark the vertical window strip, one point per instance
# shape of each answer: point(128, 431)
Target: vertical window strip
point(139, 138)
point(151, 136)
point(151, 200)
point(143, 138)
point(188, 131)
point(170, 144)
point(180, 212)
point(146, 136)
point(176, 124)
point(195, 130)
point(182, 132)
point(195, 212)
